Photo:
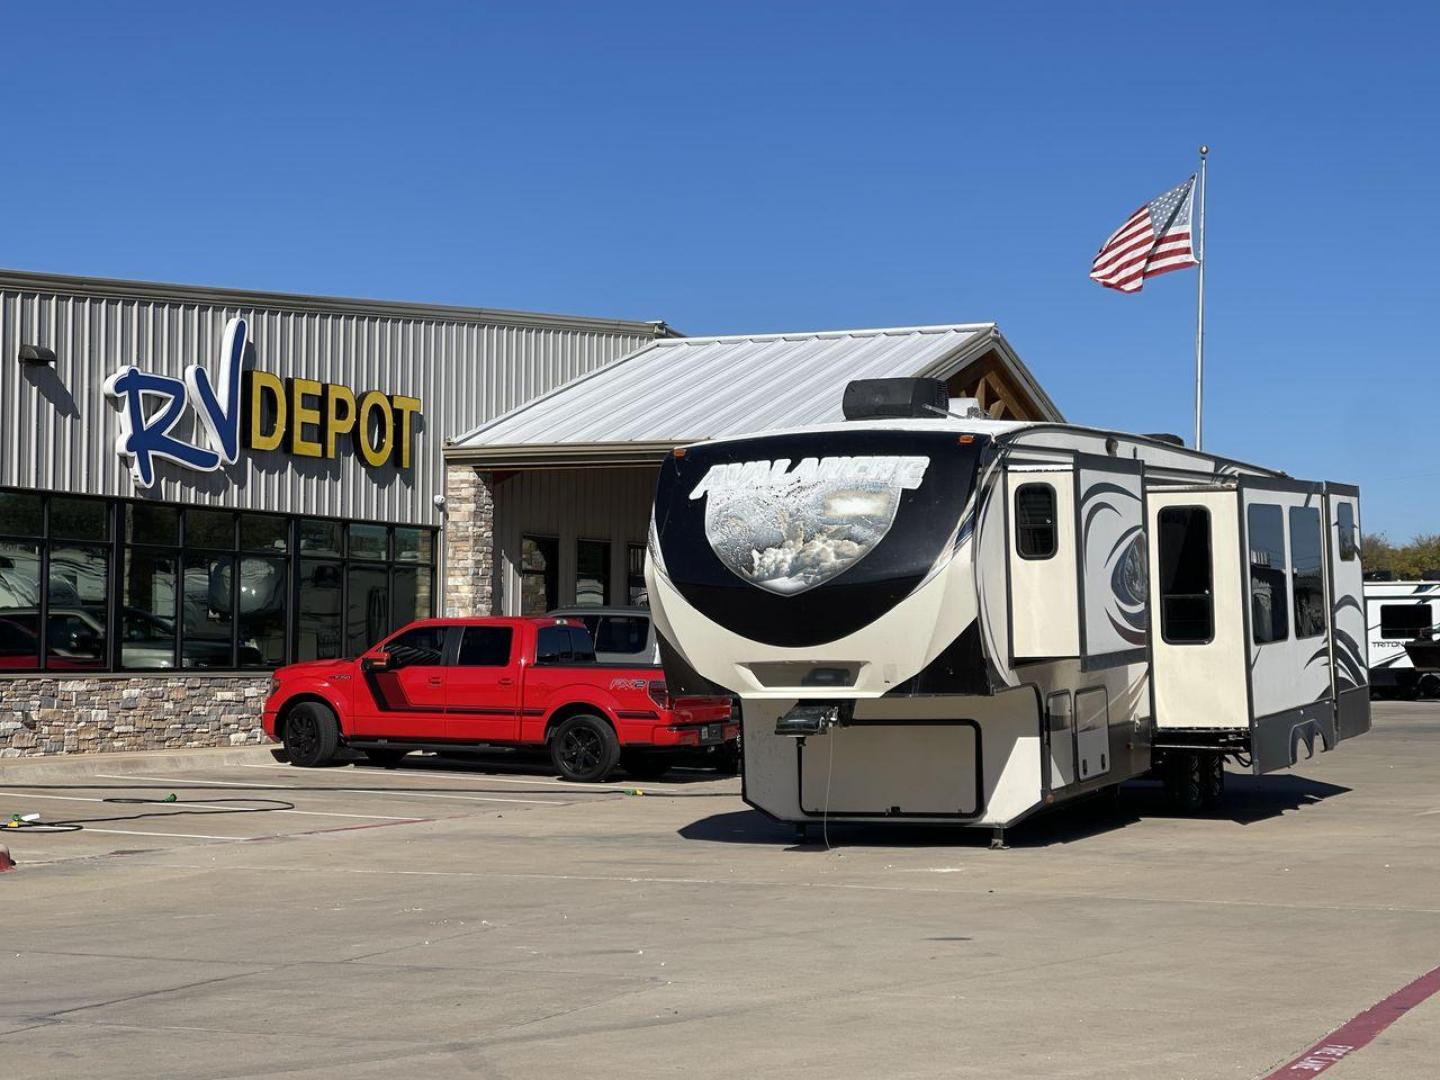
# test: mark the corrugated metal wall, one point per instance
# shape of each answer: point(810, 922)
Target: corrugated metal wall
point(571, 504)
point(58, 431)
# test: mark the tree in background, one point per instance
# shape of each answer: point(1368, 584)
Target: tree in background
point(1408, 562)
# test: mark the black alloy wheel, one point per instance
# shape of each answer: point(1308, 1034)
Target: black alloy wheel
point(312, 735)
point(584, 748)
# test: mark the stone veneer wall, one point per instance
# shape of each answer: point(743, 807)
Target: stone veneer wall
point(469, 541)
point(60, 715)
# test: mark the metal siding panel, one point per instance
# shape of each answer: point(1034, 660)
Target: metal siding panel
point(57, 431)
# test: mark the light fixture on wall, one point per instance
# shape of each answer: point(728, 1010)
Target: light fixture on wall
point(36, 354)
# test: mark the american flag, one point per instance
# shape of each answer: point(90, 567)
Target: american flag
point(1154, 240)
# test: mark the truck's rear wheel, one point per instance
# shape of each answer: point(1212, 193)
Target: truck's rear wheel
point(312, 735)
point(584, 748)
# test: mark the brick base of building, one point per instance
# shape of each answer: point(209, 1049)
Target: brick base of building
point(469, 541)
point(57, 715)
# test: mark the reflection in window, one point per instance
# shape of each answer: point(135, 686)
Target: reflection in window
point(636, 594)
point(320, 537)
point(262, 612)
point(1305, 561)
point(21, 514)
point(264, 532)
point(19, 604)
point(367, 608)
point(1186, 606)
point(618, 633)
point(422, 647)
point(539, 574)
point(319, 634)
point(1405, 622)
point(1349, 536)
point(149, 598)
point(206, 611)
point(210, 529)
point(414, 545)
point(592, 573)
point(146, 523)
point(369, 542)
point(79, 519)
point(412, 594)
point(1035, 521)
point(1269, 607)
point(79, 617)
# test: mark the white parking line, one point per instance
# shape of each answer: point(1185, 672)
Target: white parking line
point(402, 793)
point(219, 807)
point(182, 835)
point(488, 779)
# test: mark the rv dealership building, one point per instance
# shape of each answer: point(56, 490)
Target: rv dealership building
point(199, 485)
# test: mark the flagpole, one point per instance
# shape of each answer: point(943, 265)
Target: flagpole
point(1200, 314)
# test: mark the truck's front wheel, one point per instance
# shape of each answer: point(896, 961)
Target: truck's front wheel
point(584, 748)
point(312, 735)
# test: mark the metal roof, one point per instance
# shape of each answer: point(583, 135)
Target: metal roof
point(684, 390)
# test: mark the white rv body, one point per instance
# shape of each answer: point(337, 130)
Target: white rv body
point(1397, 613)
point(872, 572)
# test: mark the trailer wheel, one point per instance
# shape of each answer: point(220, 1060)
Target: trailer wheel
point(312, 735)
point(1212, 780)
point(584, 748)
point(1183, 781)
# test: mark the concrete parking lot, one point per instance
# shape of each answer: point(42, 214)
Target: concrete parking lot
point(485, 920)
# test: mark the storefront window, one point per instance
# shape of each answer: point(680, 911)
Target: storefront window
point(592, 572)
point(197, 588)
point(636, 593)
point(539, 574)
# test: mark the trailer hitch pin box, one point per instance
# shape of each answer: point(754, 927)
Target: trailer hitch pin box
point(813, 718)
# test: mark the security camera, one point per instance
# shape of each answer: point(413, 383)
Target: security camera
point(439, 502)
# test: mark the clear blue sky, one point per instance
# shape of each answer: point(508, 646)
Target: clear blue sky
point(791, 167)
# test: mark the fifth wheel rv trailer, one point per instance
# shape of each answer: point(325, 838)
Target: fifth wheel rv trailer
point(1397, 614)
point(937, 618)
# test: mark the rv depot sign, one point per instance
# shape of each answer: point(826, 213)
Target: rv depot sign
point(301, 417)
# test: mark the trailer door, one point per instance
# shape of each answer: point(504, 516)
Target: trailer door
point(1196, 592)
point(1349, 659)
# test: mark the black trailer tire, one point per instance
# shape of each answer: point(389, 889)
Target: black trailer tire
point(384, 757)
point(643, 766)
point(312, 735)
point(1212, 780)
point(584, 748)
point(1183, 771)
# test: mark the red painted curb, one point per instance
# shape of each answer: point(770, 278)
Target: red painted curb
point(1359, 1032)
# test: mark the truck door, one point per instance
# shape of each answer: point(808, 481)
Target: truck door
point(483, 698)
point(1349, 667)
point(405, 699)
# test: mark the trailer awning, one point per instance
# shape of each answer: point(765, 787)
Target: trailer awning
point(685, 390)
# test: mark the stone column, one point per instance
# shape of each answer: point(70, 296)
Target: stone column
point(469, 541)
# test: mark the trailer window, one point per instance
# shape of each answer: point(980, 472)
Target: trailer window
point(1349, 540)
point(1305, 562)
point(1404, 621)
point(1269, 604)
point(1187, 606)
point(1035, 521)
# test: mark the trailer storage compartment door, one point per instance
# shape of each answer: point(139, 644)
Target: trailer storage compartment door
point(892, 769)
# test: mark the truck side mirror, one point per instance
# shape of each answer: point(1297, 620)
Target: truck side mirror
point(382, 661)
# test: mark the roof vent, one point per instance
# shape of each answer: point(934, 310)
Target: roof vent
point(1165, 437)
point(882, 399)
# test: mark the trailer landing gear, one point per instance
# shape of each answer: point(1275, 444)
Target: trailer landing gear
point(997, 840)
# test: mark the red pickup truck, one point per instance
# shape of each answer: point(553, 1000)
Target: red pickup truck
point(443, 684)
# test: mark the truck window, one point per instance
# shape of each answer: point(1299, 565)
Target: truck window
point(618, 633)
point(1305, 564)
point(485, 646)
point(582, 647)
point(1035, 521)
point(1404, 621)
point(553, 646)
point(423, 646)
point(1269, 604)
point(1187, 609)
